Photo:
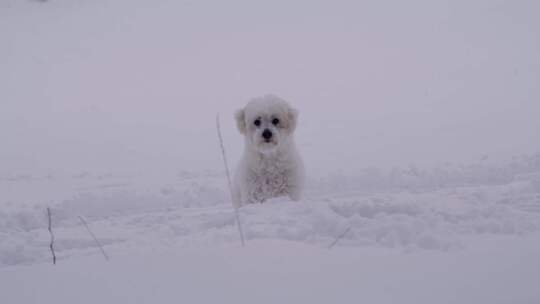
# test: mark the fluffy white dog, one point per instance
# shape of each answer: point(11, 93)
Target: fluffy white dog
point(271, 165)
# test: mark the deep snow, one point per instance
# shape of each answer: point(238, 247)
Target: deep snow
point(174, 237)
point(496, 271)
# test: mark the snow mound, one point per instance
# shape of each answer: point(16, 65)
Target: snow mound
point(198, 213)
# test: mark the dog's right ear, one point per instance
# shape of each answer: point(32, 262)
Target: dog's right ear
point(240, 117)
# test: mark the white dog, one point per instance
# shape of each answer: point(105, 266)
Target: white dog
point(271, 165)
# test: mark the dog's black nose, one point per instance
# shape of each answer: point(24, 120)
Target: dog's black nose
point(267, 134)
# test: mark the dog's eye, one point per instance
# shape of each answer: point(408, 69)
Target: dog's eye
point(257, 122)
point(275, 121)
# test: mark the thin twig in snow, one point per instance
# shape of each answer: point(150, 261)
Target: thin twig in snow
point(95, 238)
point(240, 231)
point(51, 245)
point(339, 238)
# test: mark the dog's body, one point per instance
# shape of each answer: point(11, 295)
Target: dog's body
point(271, 165)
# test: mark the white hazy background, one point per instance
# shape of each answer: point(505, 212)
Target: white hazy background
point(122, 86)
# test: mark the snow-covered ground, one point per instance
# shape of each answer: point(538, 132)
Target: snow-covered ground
point(504, 270)
point(418, 126)
point(173, 238)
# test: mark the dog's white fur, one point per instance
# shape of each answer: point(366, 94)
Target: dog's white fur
point(272, 167)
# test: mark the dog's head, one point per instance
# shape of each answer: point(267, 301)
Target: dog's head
point(267, 122)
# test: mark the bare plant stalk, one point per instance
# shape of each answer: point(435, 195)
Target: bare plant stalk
point(238, 224)
point(51, 245)
point(339, 238)
point(94, 237)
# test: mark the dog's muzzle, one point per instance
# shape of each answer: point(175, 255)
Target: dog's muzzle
point(267, 135)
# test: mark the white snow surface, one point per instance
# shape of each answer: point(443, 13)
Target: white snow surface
point(173, 238)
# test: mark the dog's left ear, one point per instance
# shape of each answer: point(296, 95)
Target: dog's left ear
point(293, 118)
point(240, 117)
